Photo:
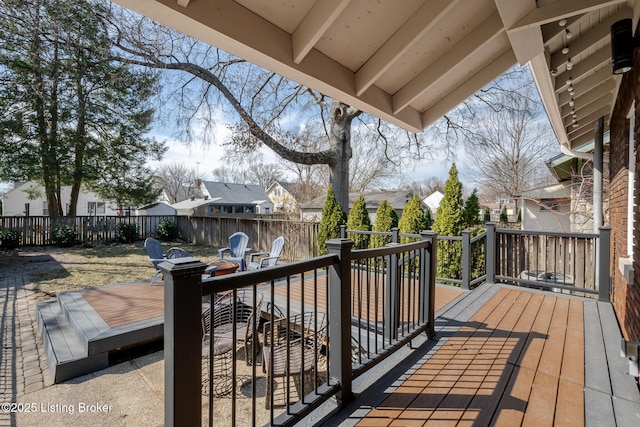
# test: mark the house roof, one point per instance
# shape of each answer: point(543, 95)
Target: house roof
point(409, 62)
point(397, 199)
point(433, 200)
point(556, 191)
point(225, 192)
point(561, 166)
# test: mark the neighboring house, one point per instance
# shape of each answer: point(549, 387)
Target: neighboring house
point(577, 172)
point(236, 198)
point(158, 208)
point(547, 208)
point(312, 211)
point(433, 202)
point(285, 197)
point(222, 198)
point(28, 199)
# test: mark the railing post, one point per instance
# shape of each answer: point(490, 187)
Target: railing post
point(604, 255)
point(395, 235)
point(182, 341)
point(466, 259)
point(391, 291)
point(340, 368)
point(428, 307)
point(343, 231)
point(490, 264)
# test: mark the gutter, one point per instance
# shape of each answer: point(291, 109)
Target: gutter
point(579, 155)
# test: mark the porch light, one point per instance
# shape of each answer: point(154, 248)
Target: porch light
point(622, 45)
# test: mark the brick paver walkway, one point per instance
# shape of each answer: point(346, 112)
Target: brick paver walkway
point(23, 367)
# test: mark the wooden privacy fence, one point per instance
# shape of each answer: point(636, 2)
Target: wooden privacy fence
point(300, 237)
point(36, 230)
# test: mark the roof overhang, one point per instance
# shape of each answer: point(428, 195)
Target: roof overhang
point(409, 62)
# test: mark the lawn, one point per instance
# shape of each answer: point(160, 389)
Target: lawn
point(54, 270)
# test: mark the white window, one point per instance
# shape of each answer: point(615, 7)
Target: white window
point(45, 208)
point(95, 208)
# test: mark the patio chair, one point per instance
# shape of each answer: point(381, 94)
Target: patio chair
point(154, 250)
point(177, 253)
point(237, 249)
point(292, 348)
point(241, 313)
point(216, 359)
point(266, 259)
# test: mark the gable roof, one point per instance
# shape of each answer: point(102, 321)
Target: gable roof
point(397, 199)
point(225, 192)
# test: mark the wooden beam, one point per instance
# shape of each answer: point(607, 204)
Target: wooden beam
point(437, 71)
point(560, 9)
point(526, 44)
point(469, 87)
point(590, 38)
point(407, 35)
point(602, 102)
point(583, 86)
point(583, 67)
point(587, 121)
point(590, 97)
point(314, 25)
point(553, 30)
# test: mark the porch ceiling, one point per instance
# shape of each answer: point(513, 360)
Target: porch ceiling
point(411, 61)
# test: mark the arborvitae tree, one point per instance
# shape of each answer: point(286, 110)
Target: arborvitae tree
point(450, 222)
point(427, 219)
point(332, 218)
point(359, 220)
point(471, 210)
point(503, 215)
point(386, 219)
point(487, 215)
point(412, 220)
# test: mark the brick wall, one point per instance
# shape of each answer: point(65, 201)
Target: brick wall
point(625, 296)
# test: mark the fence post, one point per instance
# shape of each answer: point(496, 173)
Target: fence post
point(604, 255)
point(395, 235)
point(340, 368)
point(182, 341)
point(429, 277)
point(490, 264)
point(343, 231)
point(466, 259)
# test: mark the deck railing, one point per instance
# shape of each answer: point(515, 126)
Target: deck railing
point(465, 253)
point(373, 302)
point(574, 263)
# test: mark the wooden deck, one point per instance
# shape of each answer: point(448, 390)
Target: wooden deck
point(511, 357)
point(123, 305)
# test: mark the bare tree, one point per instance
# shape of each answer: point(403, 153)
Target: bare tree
point(178, 181)
point(507, 147)
point(264, 103)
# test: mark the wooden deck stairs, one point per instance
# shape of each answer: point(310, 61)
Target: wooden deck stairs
point(80, 329)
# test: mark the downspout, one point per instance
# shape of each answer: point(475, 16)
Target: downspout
point(597, 175)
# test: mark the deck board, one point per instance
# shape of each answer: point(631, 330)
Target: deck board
point(127, 304)
point(518, 361)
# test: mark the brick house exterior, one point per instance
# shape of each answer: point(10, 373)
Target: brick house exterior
point(625, 294)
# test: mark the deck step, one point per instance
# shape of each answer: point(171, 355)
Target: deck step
point(66, 352)
point(86, 323)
